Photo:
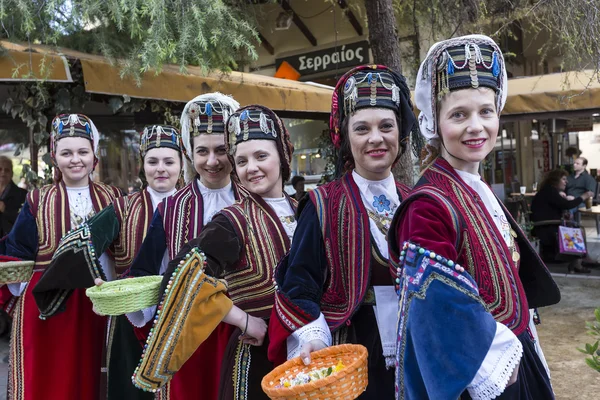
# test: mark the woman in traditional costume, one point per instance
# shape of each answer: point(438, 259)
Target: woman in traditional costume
point(58, 357)
point(182, 217)
point(467, 273)
point(337, 269)
point(242, 245)
point(122, 226)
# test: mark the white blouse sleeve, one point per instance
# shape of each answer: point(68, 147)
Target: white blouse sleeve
point(498, 365)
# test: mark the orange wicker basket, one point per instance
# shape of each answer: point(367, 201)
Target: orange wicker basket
point(346, 384)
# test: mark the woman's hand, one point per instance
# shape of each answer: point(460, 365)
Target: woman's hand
point(253, 329)
point(255, 333)
point(513, 377)
point(97, 282)
point(309, 347)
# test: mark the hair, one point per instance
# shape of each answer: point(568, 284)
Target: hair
point(553, 178)
point(344, 160)
point(297, 179)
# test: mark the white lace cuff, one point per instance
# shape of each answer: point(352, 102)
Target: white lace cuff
point(498, 365)
point(140, 318)
point(318, 329)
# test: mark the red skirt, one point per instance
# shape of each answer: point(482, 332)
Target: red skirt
point(58, 358)
point(199, 377)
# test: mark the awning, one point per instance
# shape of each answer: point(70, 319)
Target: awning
point(103, 78)
point(553, 93)
point(19, 64)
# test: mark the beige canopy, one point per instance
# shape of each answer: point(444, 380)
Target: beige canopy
point(170, 84)
point(530, 95)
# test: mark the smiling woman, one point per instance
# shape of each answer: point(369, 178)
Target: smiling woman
point(468, 124)
point(55, 328)
point(243, 244)
point(465, 269)
point(336, 270)
point(122, 226)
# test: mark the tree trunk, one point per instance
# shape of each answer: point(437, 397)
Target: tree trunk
point(33, 152)
point(383, 38)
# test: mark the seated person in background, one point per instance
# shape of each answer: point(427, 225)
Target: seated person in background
point(580, 181)
point(548, 205)
point(298, 185)
point(11, 197)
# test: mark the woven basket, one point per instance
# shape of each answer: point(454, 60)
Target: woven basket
point(125, 295)
point(16, 271)
point(349, 383)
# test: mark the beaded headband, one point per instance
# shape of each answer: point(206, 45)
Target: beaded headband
point(156, 136)
point(73, 125)
point(207, 117)
point(198, 117)
point(252, 123)
point(371, 86)
point(465, 62)
point(470, 66)
point(257, 122)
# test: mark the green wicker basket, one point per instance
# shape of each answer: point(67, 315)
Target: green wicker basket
point(125, 295)
point(16, 271)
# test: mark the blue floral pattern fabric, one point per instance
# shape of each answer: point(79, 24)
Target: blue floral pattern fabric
point(381, 203)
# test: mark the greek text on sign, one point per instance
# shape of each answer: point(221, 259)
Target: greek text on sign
point(329, 59)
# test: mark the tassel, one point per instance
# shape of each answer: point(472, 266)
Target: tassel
point(373, 83)
point(495, 65)
point(264, 126)
point(473, 73)
point(234, 125)
point(396, 94)
point(450, 68)
point(208, 109)
point(209, 129)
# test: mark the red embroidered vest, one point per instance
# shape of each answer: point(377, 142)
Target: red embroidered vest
point(183, 215)
point(134, 213)
point(50, 207)
point(264, 243)
point(480, 247)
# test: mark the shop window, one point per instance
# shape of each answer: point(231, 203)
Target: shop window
point(307, 160)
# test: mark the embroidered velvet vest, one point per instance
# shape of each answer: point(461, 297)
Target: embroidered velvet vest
point(264, 243)
point(183, 215)
point(481, 249)
point(134, 213)
point(346, 233)
point(50, 207)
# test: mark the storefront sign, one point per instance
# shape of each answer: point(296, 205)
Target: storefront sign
point(331, 59)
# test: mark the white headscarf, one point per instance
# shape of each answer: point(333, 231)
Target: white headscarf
point(189, 172)
point(425, 88)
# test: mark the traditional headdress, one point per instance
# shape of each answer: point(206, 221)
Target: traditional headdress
point(154, 137)
point(374, 86)
point(205, 114)
point(465, 62)
point(73, 125)
point(260, 123)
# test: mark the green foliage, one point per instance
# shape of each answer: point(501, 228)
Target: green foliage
point(570, 28)
point(592, 349)
point(144, 35)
